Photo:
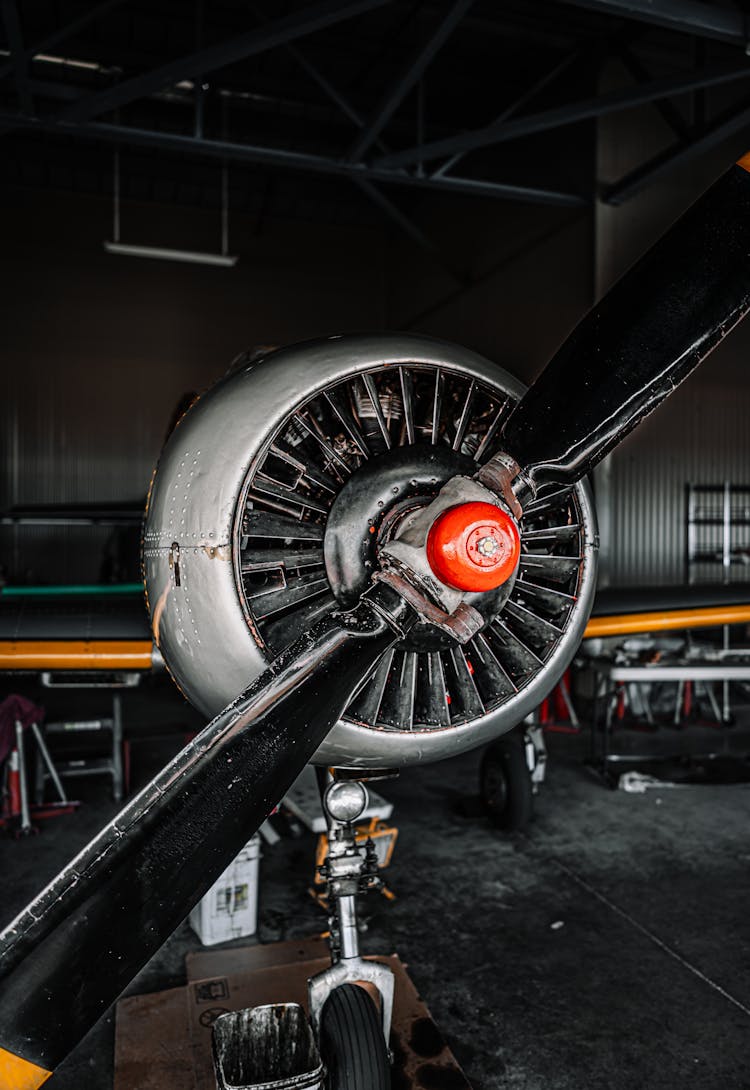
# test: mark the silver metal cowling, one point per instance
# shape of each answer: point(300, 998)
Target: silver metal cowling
point(208, 637)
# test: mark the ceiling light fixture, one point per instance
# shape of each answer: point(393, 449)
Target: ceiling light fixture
point(195, 257)
point(164, 253)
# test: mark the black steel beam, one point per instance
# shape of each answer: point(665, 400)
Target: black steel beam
point(724, 128)
point(259, 40)
point(409, 228)
point(519, 103)
point(410, 75)
point(13, 33)
point(323, 82)
point(585, 54)
point(317, 76)
point(567, 115)
point(666, 109)
point(291, 160)
point(699, 115)
point(326, 86)
point(725, 23)
point(373, 194)
point(61, 33)
point(526, 247)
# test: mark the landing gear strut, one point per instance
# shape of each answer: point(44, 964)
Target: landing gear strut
point(351, 1024)
point(510, 773)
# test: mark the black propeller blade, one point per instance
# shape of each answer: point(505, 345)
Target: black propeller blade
point(644, 337)
point(76, 947)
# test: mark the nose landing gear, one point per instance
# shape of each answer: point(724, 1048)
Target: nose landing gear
point(351, 1023)
point(344, 1043)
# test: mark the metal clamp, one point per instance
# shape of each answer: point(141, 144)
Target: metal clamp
point(352, 971)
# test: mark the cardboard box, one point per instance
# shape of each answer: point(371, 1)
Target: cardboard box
point(230, 908)
point(163, 1040)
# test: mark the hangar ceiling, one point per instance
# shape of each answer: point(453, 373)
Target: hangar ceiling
point(353, 109)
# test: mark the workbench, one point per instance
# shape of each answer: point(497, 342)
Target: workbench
point(620, 676)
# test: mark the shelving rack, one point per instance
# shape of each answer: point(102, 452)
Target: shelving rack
point(717, 541)
point(717, 537)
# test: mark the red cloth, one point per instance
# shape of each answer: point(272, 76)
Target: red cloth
point(12, 710)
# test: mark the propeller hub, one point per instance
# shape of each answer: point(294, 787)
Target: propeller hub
point(474, 546)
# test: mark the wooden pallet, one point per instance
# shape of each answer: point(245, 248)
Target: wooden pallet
point(163, 1040)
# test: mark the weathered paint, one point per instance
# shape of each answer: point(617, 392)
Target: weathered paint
point(19, 1074)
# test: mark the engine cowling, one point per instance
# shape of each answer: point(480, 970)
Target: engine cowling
point(269, 506)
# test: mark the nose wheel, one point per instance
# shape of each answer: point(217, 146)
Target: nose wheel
point(352, 1045)
point(351, 1003)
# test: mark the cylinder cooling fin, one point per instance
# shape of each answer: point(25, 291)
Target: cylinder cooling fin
point(268, 509)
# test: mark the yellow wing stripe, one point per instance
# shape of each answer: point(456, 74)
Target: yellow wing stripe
point(75, 655)
point(666, 620)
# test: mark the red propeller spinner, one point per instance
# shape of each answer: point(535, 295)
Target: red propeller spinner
point(473, 546)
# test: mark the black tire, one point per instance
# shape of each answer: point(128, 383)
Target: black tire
point(351, 1042)
point(505, 783)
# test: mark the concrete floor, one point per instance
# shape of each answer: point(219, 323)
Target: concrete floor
point(608, 947)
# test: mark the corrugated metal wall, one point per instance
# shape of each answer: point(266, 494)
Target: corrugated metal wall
point(701, 434)
point(96, 350)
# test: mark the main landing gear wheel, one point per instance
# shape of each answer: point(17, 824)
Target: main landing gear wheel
point(351, 1042)
point(505, 782)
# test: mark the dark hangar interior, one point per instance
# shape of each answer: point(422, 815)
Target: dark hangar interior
point(374, 532)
